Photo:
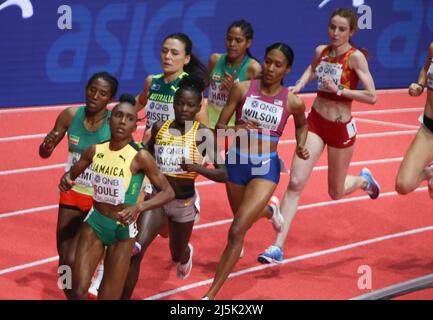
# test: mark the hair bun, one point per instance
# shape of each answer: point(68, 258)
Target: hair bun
point(194, 81)
point(126, 97)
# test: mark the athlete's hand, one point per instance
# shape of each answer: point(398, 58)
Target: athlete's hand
point(188, 166)
point(228, 80)
point(129, 214)
point(297, 87)
point(302, 152)
point(415, 89)
point(249, 125)
point(329, 84)
point(66, 183)
point(50, 140)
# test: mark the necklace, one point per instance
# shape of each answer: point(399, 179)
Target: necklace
point(92, 124)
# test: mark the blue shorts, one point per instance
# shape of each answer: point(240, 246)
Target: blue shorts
point(242, 168)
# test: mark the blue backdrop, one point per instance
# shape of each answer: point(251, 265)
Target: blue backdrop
point(41, 64)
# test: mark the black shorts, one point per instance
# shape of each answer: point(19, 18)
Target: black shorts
point(428, 122)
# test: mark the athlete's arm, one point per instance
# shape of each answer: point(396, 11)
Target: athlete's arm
point(254, 70)
point(297, 107)
point(359, 64)
point(202, 115)
point(416, 89)
point(67, 180)
point(209, 148)
point(235, 97)
point(56, 135)
point(211, 64)
point(141, 99)
point(159, 181)
point(144, 161)
point(150, 145)
point(309, 73)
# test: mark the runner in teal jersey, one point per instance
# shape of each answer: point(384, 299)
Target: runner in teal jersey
point(235, 65)
point(85, 126)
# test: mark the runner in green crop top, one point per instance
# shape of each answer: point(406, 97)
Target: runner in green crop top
point(157, 95)
point(118, 167)
point(226, 69)
point(85, 126)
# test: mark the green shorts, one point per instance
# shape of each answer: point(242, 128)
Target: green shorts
point(109, 230)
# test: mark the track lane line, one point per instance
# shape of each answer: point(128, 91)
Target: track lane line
point(282, 142)
point(221, 222)
point(295, 259)
point(209, 182)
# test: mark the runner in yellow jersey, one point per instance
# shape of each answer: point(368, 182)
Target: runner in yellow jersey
point(118, 167)
point(179, 147)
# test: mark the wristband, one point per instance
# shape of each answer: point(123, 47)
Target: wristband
point(422, 86)
point(340, 90)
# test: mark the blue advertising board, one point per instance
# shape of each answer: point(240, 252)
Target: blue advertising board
point(42, 63)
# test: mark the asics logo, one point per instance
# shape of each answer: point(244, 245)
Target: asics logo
point(25, 6)
point(355, 3)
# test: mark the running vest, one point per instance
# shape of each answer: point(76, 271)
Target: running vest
point(270, 112)
point(340, 72)
point(170, 149)
point(113, 182)
point(430, 76)
point(218, 96)
point(79, 139)
point(160, 99)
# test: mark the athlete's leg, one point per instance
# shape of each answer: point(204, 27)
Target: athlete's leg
point(413, 169)
point(116, 265)
point(255, 197)
point(89, 251)
point(149, 225)
point(299, 173)
point(68, 224)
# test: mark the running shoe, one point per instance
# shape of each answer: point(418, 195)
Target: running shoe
point(277, 218)
point(430, 187)
point(136, 250)
point(184, 270)
point(96, 281)
point(430, 184)
point(373, 187)
point(271, 254)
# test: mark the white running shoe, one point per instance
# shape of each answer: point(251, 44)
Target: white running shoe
point(242, 253)
point(184, 270)
point(97, 279)
point(277, 218)
point(136, 250)
point(430, 185)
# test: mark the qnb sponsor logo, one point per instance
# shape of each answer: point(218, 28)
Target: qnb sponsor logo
point(355, 3)
point(25, 6)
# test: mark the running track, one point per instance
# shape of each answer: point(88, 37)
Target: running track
point(327, 244)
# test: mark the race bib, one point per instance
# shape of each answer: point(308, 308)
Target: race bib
point(351, 129)
point(158, 111)
point(108, 189)
point(334, 70)
point(217, 95)
point(268, 115)
point(169, 158)
point(84, 179)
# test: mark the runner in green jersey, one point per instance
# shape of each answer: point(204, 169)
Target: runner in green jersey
point(235, 65)
point(85, 126)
